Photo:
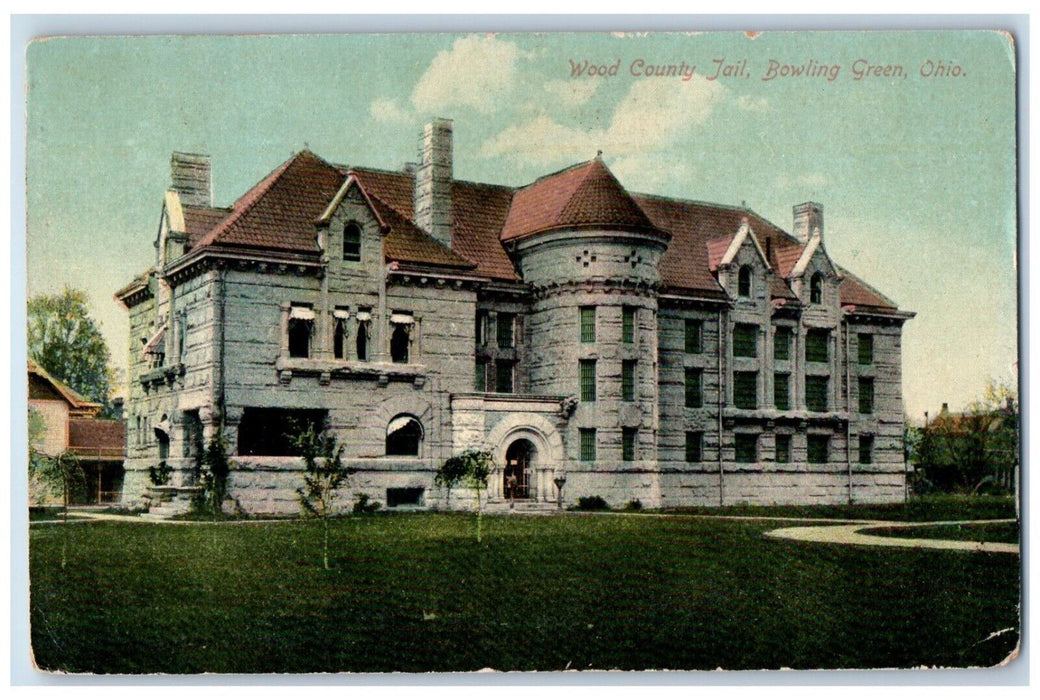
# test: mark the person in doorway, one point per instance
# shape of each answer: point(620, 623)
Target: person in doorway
point(511, 488)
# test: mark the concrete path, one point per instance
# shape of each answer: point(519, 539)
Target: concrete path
point(854, 533)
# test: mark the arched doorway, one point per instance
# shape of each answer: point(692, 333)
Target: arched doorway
point(516, 477)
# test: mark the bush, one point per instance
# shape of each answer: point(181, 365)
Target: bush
point(160, 475)
point(592, 503)
point(634, 504)
point(362, 505)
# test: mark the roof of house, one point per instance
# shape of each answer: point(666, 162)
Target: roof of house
point(44, 386)
point(280, 212)
point(96, 438)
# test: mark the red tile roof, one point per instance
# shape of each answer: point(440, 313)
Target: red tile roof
point(280, 212)
point(100, 439)
point(586, 194)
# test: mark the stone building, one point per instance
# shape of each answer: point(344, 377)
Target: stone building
point(642, 347)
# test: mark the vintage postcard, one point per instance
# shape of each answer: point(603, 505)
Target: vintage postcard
point(525, 352)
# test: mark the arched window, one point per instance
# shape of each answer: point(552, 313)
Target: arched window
point(352, 242)
point(816, 289)
point(362, 335)
point(400, 336)
point(744, 282)
point(404, 435)
point(339, 339)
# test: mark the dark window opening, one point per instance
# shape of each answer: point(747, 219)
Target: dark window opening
point(404, 436)
point(744, 282)
point(503, 377)
point(399, 342)
point(694, 446)
point(818, 447)
point(481, 327)
point(588, 444)
point(628, 444)
point(694, 389)
point(782, 392)
point(865, 349)
point(816, 394)
point(694, 334)
point(745, 390)
point(817, 345)
point(782, 343)
point(628, 325)
point(339, 339)
point(272, 432)
point(588, 324)
point(745, 340)
point(866, 449)
point(300, 337)
point(816, 289)
point(352, 242)
point(783, 449)
point(362, 341)
point(628, 380)
point(587, 379)
point(745, 447)
point(411, 496)
point(504, 330)
point(480, 376)
point(866, 395)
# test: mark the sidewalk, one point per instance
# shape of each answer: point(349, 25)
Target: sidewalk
point(854, 534)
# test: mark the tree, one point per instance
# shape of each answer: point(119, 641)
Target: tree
point(450, 475)
point(475, 466)
point(64, 340)
point(322, 479)
point(61, 474)
point(212, 470)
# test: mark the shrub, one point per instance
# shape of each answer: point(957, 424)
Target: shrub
point(592, 503)
point(634, 504)
point(363, 505)
point(160, 475)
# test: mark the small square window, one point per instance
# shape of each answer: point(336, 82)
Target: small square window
point(817, 448)
point(746, 447)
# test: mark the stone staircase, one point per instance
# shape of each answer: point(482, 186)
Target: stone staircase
point(521, 507)
point(164, 502)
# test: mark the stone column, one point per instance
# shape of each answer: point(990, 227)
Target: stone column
point(283, 338)
point(232, 419)
point(209, 415)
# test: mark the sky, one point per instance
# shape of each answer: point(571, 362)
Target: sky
point(906, 138)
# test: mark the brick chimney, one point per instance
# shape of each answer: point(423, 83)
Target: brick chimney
point(808, 217)
point(190, 178)
point(433, 181)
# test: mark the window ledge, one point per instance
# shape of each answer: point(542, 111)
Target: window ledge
point(162, 375)
point(326, 369)
point(732, 415)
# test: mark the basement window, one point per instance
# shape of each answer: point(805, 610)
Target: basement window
point(411, 496)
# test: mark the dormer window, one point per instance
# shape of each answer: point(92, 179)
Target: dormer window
point(744, 282)
point(816, 289)
point(352, 242)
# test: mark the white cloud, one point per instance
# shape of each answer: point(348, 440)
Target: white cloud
point(571, 93)
point(477, 72)
point(653, 116)
point(388, 111)
point(748, 103)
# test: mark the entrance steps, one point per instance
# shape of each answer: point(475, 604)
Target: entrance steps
point(165, 502)
point(521, 507)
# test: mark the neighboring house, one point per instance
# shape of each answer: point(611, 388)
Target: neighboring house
point(642, 347)
point(70, 425)
point(974, 450)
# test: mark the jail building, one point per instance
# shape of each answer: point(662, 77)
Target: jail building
point(626, 345)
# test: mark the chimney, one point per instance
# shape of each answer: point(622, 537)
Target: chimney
point(808, 218)
point(433, 181)
point(189, 176)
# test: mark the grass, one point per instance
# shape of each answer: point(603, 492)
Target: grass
point(921, 508)
point(417, 593)
point(989, 532)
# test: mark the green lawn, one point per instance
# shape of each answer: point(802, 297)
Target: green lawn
point(417, 593)
point(921, 508)
point(990, 532)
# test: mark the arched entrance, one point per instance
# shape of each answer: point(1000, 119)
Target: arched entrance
point(516, 477)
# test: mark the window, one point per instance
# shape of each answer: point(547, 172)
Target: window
point(782, 343)
point(628, 380)
point(866, 395)
point(271, 431)
point(588, 324)
point(503, 377)
point(745, 447)
point(782, 392)
point(694, 388)
point(587, 379)
point(480, 376)
point(481, 327)
point(816, 289)
point(352, 242)
point(694, 445)
point(745, 340)
point(588, 444)
point(628, 325)
point(401, 324)
point(405, 496)
point(818, 447)
point(865, 348)
point(866, 449)
point(362, 335)
point(301, 326)
point(694, 336)
point(504, 330)
point(816, 393)
point(817, 345)
point(744, 282)
point(404, 435)
point(783, 449)
point(745, 389)
point(628, 444)
point(339, 334)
